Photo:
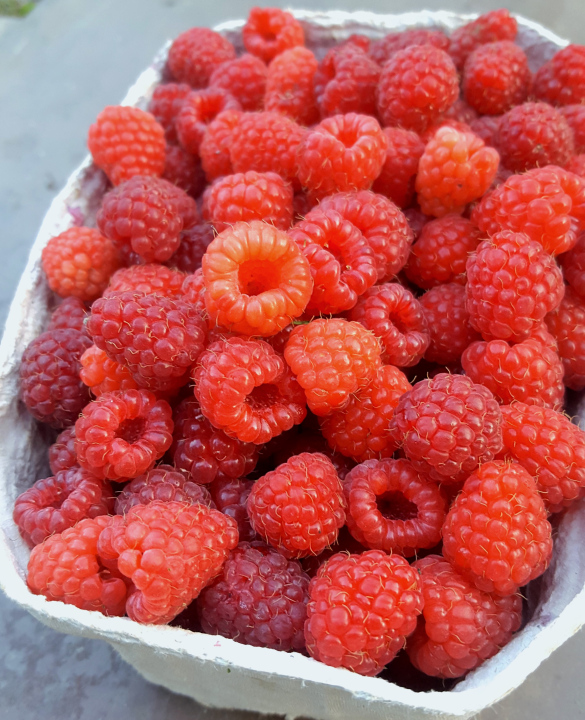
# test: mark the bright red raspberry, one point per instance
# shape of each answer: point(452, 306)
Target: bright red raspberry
point(165, 104)
point(512, 283)
point(62, 455)
point(126, 141)
point(67, 567)
point(575, 116)
point(382, 50)
point(416, 86)
point(455, 169)
point(199, 109)
point(299, 507)
point(289, 86)
point(461, 625)
point(486, 127)
point(214, 149)
point(245, 389)
point(576, 165)
point(361, 609)
point(194, 292)
point(488, 28)
point(447, 426)
point(49, 377)
point(441, 252)
point(395, 316)
point(196, 53)
point(184, 170)
point(102, 375)
point(194, 242)
point(442, 122)
point(151, 279)
point(68, 315)
point(332, 359)
point(396, 180)
point(270, 31)
point(342, 153)
point(496, 533)
point(231, 498)
point(342, 262)
point(244, 79)
point(567, 325)
point(561, 81)
point(573, 264)
point(259, 599)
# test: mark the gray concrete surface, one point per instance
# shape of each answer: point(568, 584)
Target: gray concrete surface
point(58, 68)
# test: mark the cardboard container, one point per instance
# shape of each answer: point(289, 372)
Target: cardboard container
point(213, 670)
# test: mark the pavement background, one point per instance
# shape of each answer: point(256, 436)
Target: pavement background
point(58, 68)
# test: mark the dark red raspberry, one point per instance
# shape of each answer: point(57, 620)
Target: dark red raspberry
point(197, 111)
point(308, 439)
point(165, 104)
point(573, 264)
point(270, 31)
point(196, 53)
point(461, 626)
point(259, 599)
point(488, 28)
point(361, 609)
point(396, 180)
point(194, 242)
point(416, 220)
point(289, 86)
point(102, 375)
point(416, 86)
point(576, 165)
point(461, 112)
point(567, 325)
point(244, 79)
point(184, 170)
point(575, 116)
point(49, 377)
point(231, 498)
point(299, 507)
point(152, 279)
point(68, 315)
point(382, 50)
point(486, 127)
point(447, 426)
point(215, 146)
point(561, 81)
point(62, 455)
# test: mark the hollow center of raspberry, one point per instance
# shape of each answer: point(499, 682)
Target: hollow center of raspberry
point(263, 396)
point(258, 276)
point(131, 430)
point(394, 506)
point(348, 136)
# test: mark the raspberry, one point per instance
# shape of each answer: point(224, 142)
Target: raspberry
point(165, 104)
point(394, 315)
point(447, 426)
point(170, 551)
point(443, 122)
point(360, 429)
point(382, 50)
point(148, 214)
point(68, 315)
point(575, 116)
point(152, 279)
point(332, 359)
point(231, 497)
point(197, 111)
point(62, 455)
point(246, 389)
point(249, 196)
point(270, 31)
point(194, 292)
point(416, 86)
point(299, 507)
point(289, 86)
point(67, 567)
point(496, 533)
point(488, 28)
point(496, 77)
point(361, 609)
point(533, 135)
point(460, 112)
point(462, 626)
point(512, 283)
point(561, 81)
point(196, 53)
point(576, 165)
point(450, 331)
point(102, 375)
point(573, 264)
point(342, 153)
point(416, 220)
point(455, 169)
point(122, 434)
point(194, 242)
point(567, 325)
point(256, 279)
point(342, 263)
point(126, 141)
point(486, 127)
point(214, 149)
point(49, 377)
point(244, 79)
point(184, 170)
point(441, 252)
point(396, 180)
point(259, 599)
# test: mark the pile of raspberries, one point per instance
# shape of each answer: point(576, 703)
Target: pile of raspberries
point(309, 369)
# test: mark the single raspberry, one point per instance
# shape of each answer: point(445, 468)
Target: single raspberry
point(361, 609)
point(194, 241)
point(260, 599)
point(441, 252)
point(184, 170)
point(416, 86)
point(151, 279)
point(198, 109)
point(194, 292)
point(256, 279)
point(575, 116)
point(68, 315)
point(299, 507)
point(289, 86)
point(360, 429)
point(122, 434)
point(567, 325)
point(461, 626)
point(396, 180)
point(102, 375)
point(488, 28)
point(486, 127)
point(244, 79)
point(126, 141)
point(270, 31)
point(50, 386)
point(342, 262)
point(573, 264)
point(496, 533)
point(450, 331)
point(447, 426)
point(455, 169)
point(332, 359)
point(561, 81)
point(231, 498)
point(67, 567)
point(246, 389)
point(249, 196)
point(442, 122)
point(165, 104)
point(395, 316)
point(148, 214)
point(383, 49)
point(62, 455)
point(170, 551)
point(461, 112)
point(196, 53)
point(512, 283)
point(359, 40)
point(214, 149)
point(576, 165)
